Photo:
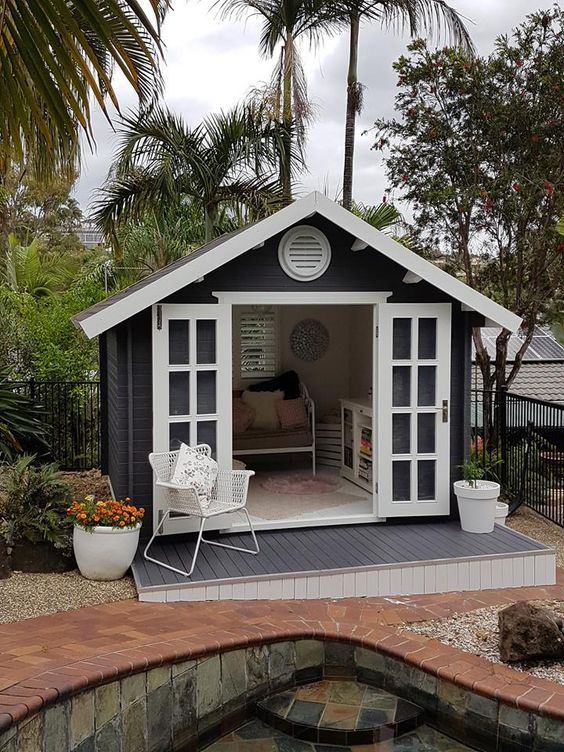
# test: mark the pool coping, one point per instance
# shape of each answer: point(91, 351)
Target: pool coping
point(267, 622)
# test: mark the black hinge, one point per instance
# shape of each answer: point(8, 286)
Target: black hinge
point(159, 317)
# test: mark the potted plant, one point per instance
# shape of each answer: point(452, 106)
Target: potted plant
point(105, 537)
point(477, 497)
point(33, 520)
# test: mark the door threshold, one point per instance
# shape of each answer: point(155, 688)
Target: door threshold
point(296, 522)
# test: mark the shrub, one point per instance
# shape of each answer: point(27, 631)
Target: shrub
point(34, 503)
point(21, 423)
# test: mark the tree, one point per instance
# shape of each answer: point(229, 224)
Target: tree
point(42, 209)
point(55, 58)
point(284, 23)
point(228, 163)
point(38, 339)
point(478, 151)
point(29, 269)
point(418, 16)
point(156, 240)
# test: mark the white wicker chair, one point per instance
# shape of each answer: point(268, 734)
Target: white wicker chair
point(228, 495)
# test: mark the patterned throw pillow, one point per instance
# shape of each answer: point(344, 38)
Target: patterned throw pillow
point(196, 470)
point(243, 416)
point(292, 414)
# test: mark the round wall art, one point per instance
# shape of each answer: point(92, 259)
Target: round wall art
point(309, 339)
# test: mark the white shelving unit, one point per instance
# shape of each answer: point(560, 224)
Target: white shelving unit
point(328, 444)
point(357, 461)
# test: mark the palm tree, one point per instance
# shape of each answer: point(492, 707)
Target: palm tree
point(55, 57)
point(28, 268)
point(284, 22)
point(228, 163)
point(419, 16)
point(160, 237)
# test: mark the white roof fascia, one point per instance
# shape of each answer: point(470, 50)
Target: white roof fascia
point(258, 233)
point(412, 262)
point(164, 286)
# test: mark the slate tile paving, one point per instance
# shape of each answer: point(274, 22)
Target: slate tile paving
point(256, 736)
point(335, 704)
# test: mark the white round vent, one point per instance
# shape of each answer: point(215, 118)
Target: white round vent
point(304, 253)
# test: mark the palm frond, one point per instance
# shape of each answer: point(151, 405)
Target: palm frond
point(56, 56)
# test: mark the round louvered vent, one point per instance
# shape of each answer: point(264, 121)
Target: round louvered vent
point(304, 253)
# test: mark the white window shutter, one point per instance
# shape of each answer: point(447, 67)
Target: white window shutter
point(259, 345)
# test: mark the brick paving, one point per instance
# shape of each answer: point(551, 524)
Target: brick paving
point(52, 657)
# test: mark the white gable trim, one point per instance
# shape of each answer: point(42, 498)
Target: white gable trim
point(257, 234)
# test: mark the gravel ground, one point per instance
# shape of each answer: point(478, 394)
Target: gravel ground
point(529, 522)
point(477, 632)
point(24, 596)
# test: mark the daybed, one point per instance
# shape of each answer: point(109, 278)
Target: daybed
point(279, 440)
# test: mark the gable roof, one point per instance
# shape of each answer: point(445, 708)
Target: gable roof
point(162, 283)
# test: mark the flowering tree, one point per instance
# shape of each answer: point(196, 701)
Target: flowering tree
point(478, 151)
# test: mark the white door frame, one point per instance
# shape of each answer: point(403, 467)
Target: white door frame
point(301, 298)
point(369, 298)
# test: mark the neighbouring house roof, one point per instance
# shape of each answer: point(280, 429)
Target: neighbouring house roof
point(543, 346)
point(150, 290)
point(536, 379)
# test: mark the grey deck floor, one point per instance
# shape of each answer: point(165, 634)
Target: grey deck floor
point(325, 548)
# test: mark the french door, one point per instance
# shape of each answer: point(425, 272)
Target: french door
point(413, 394)
point(191, 385)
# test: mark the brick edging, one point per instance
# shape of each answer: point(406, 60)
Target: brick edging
point(508, 686)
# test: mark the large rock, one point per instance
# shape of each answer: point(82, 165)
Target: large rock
point(528, 632)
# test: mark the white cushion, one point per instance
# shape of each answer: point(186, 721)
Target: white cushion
point(264, 405)
point(196, 470)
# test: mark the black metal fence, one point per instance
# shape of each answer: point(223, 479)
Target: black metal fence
point(522, 439)
point(72, 413)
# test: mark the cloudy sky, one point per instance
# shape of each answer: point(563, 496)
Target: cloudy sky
point(212, 64)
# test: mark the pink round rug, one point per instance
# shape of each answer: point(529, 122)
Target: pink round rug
point(301, 485)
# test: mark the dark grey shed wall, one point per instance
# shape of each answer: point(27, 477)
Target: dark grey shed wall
point(129, 368)
point(259, 270)
point(127, 429)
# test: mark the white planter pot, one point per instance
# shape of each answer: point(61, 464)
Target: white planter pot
point(105, 553)
point(477, 505)
point(501, 511)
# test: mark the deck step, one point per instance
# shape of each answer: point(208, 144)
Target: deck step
point(342, 712)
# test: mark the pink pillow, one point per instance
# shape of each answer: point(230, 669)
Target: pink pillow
point(292, 414)
point(243, 416)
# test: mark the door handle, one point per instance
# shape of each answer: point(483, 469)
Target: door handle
point(445, 411)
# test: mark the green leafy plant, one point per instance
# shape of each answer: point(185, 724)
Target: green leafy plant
point(21, 423)
point(476, 469)
point(33, 504)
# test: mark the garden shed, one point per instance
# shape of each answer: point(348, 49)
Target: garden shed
point(309, 346)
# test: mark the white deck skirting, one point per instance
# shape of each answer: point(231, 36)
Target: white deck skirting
point(409, 578)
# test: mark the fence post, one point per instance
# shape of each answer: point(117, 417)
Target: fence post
point(503, 434)
point(32, 388)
